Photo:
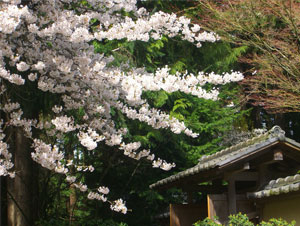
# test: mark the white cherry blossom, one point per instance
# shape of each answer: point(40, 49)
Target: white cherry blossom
point(48, 46)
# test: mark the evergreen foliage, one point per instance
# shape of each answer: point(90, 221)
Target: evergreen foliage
point(211, 119)
point(208, 118)
point(242, 220)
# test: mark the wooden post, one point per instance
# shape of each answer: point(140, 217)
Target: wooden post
point(262, 175)
point(209, 214)
point(190, 197)
point(231, 196)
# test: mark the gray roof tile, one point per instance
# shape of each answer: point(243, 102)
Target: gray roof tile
point(230, 154)
point(277, 187)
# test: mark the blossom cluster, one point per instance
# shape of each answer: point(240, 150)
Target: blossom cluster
point(89, 139)
point(64, 124)
point(154, 27)
point(5, 157)
point(101, 195)
point(46, 44)
point(119, 206)
point(15, 114)
point(49, 157)
point(157, 119)
point(5, 160)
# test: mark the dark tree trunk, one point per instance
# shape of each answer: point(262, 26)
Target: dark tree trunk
point(279, 120)
point(20, 208)
point(72, 204)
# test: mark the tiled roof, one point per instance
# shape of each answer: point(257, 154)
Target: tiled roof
point(230, 155)
point(277, 187)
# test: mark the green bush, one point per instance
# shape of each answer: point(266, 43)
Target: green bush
point(239, 220)
point(206, 222)
point(277, 222)
point(242, 220)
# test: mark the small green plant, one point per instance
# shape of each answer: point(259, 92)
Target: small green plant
point(277, 222)
point(206, 222)
point(242, 220)
point(239, 220)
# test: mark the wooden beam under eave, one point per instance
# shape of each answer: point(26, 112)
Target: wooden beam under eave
point(232, 162)
point(228, 173)
point(209, 189)
point(231, 196)
point(246, 176)
point(294, 155)
point(292, 146)
point(276, 157)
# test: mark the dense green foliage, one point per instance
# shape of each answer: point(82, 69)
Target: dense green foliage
point(242, 220)
point(208, 118)
point(130, 179)
point(127, 178)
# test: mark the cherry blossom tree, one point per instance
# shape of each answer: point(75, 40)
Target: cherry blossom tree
point(46, 52)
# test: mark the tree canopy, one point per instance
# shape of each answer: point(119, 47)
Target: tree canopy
point(84, 83)
point(270, 30)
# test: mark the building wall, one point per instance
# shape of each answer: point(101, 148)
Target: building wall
point(187, 214)
point(287, 209)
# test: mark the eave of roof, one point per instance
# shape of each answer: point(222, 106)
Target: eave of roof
point(278, 187)
point(230, 155)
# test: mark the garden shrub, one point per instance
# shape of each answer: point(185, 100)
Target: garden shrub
point(242, 220)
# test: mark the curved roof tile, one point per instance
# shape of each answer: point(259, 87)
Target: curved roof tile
point(230, 154)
